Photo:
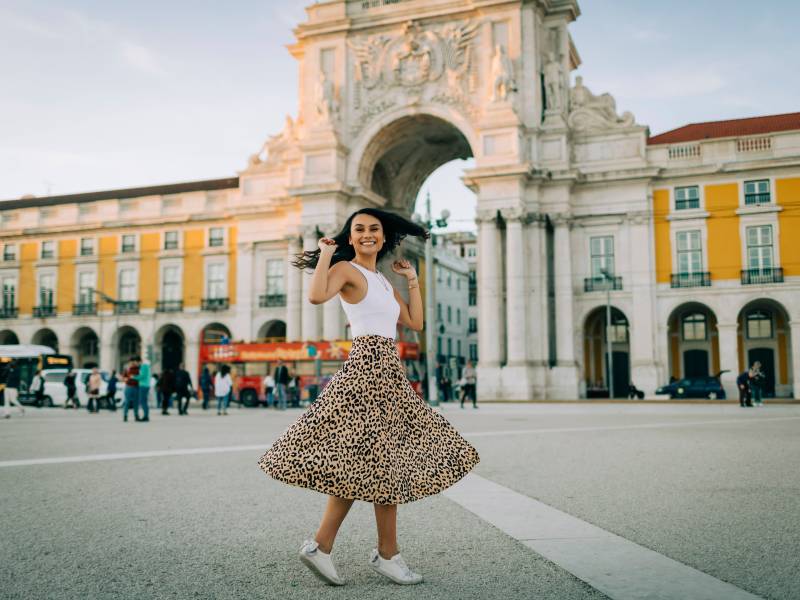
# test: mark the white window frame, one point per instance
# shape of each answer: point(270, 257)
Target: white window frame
point(771, 247)
point(604, 256)
point(162, 280)
point(135, 269)
point(224, 243)
point(772, 200)
point(753, 220)
point(41, 250)
point(46, 273)
point(207, 282)
point(164, 233)
point(135, 243)
point(15, 282)
point(81, 273)
point(685, 227)
point(700, 203)
point(93, 241)
point(284, 274)
point(16, 253)
point(701, 250)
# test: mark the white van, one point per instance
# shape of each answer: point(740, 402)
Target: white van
point(55, 392)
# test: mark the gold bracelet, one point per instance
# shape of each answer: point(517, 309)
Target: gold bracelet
point(413, 287)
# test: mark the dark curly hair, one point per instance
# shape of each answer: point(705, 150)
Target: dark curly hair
point(395, 228)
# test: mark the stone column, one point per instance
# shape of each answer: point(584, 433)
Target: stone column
point(294, 291)
point(794, 338)
point(311, 314)
point(191, 358)
point(728, 356)
point(641, 283)
point(491, 320)
point(332, 312)
point(563, 378)
point(516, 296)
point(245, 292)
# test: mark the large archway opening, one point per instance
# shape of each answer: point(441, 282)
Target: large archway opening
point(693, 342)
point(128, 344)
point(595, 353)
point(170, 343)
point(216, 333)
point(273, 331)
point(8, 337)
point(46, 337)
point(764, 336)
point(85, 348)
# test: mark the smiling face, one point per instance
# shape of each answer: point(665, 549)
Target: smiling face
point(366, 235)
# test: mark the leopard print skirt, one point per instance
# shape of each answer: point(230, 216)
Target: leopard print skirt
point(369, 436)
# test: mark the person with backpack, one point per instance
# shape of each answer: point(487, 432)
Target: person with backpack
point(72, 390)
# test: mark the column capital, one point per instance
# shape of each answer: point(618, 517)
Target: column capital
point(638, 217)
point(514, 213)
point(486, 215)
point(562, 220)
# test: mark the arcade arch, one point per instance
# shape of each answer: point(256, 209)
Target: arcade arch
point(763, 335)
point(84, 345)
point(170, 341)
point(595, 355)
point(8, 337)
point(128, 344)
point(693, 341)
point(46, 337)
point(273, 331)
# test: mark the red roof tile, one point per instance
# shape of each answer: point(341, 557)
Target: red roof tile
point(732, 128)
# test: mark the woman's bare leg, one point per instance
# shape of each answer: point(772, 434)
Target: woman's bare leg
point(386, 519)
point(335, 512)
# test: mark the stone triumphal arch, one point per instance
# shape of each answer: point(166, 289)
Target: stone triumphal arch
point(389, 90)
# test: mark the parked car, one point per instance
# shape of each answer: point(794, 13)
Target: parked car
point(695, 387)
point(55, 392)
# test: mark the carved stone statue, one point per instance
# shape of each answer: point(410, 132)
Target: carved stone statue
point(554, 83)
point(589, 111)
point(325, 94)
point(502, 75)
point(412, 64)
point(275, 146)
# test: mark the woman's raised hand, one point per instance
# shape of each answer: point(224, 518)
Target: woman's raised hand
point(403, 267)
point(327, 245)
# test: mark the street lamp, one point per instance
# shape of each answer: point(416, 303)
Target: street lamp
point(609, 283)
point(430, 361)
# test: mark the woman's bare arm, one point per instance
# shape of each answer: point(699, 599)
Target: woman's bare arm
point(326, 281)
point(411, 313)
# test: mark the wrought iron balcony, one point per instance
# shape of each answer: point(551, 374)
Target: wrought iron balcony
point(272, 300)
point(8, 312)
point(601, 284)
point(45, 310)
point(757, 198)
point(685, 280)
point(89, 308)
point(765, 275)
point(126, 307)
point(165, 306)
point(215, 304)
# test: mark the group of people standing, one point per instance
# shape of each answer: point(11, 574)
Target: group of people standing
point(466, 384)
point(751, 386)
point(138, 380)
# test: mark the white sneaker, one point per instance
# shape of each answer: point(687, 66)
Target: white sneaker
point(319, 563)
point(395, 568)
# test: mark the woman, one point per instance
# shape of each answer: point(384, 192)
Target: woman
point(111, 391)
point(269, 386)
point(93, 390)
point(37, 387)
point(223, 384)
point(368, 436)
point(72, 390)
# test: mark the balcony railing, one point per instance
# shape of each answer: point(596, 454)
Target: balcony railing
point(126, 307)
point(89, 308)
point(272, 300)
point(757, 198)
point(45, 310)
point(8, 312)
point(165, 306)
point(600, 284)
point(765, 275)
point(685, 280)
point(215, 304)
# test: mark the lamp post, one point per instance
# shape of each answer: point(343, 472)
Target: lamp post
point(430, 279)
point(609, 283)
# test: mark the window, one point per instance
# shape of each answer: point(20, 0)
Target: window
point(217, 287)
point(171, 283)
point(438, 311)
point(473, 325)
point(694, 327)
point(275, 277)
point(759, 247)
point(9, 292)
point(439, 274)
point(449, 279)
point(48, 249)
point(87, 246)
point(170, 240)
point(602, 255)
point(473, 298)
point(458, 316)
point(473, 352)
point(449, 314)
point(86, 281)
point(473, 276)
point(128, 243)
point(687, 197)
point(216, 237)
point(449, 346)
point(471, 252)
point(458, 283)
point(127, 285)
point(618, 331)
point(46, 289)
point(756, 192)
point(759, 325)
point(9, 252)
point(690, 255)
point(458, 348)
point(438, 345)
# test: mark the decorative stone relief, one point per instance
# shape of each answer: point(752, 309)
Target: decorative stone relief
point(325, 98)
point(486, 215)
point(502, 75)
point(554, 83)
point(418, 65)
point(273, 151)
point(590, 112)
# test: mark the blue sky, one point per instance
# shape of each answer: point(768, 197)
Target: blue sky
point(109, 94)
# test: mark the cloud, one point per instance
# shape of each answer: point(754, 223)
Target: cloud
point(141, 58)
point(29, 26)
point(649, 35)
point(677, 81)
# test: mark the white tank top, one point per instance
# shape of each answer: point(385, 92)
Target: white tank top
point(378, 311)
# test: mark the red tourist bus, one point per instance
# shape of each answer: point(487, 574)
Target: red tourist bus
point(312, 362)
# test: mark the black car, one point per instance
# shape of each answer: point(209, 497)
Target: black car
point(695, 387)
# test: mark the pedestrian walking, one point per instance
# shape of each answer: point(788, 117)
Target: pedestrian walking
point(11, 390)
point(93, 384)
point(368, 436)
point(282, 380)
point(111, 391)
point(145, 382)
point(269, 387)
point(166, 387)
point(470, 379)
point(37, 387)
point(206, 384)
point(131, 378)
point(183, 389)
point(757, 380)
point(743, 383)
point(223, 384)
point(72, 391)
